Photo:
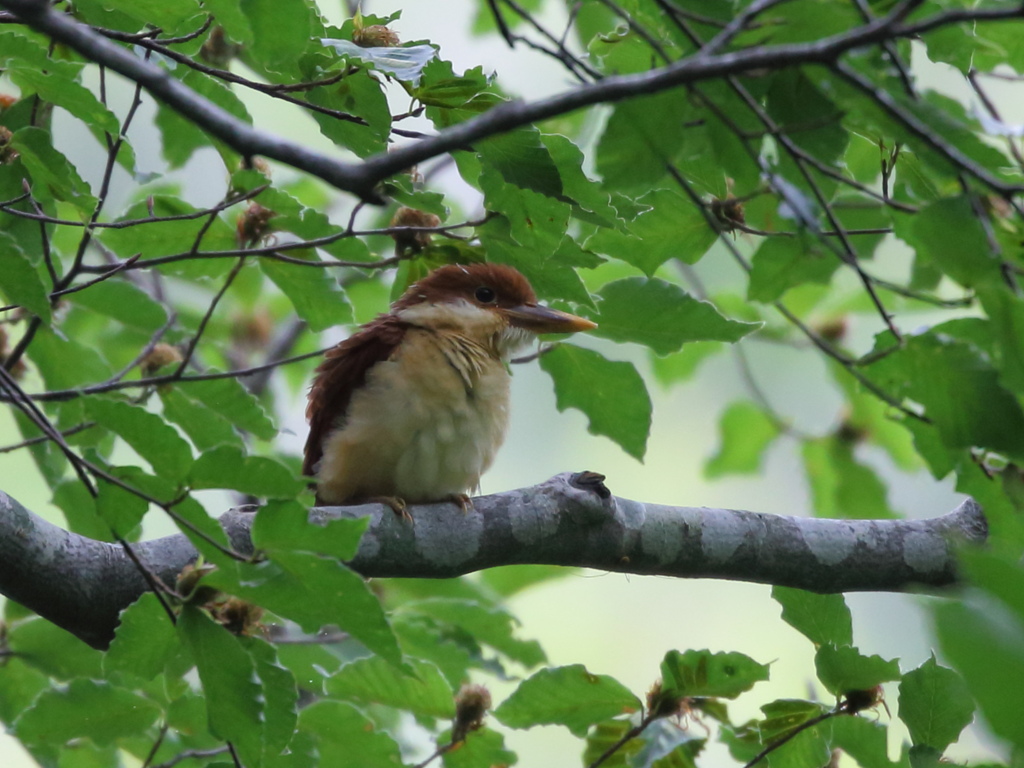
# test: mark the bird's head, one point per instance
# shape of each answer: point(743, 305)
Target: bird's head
point(491, 302)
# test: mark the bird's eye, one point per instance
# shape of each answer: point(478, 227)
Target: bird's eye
point(485, 295)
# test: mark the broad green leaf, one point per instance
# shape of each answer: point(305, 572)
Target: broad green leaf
point(440, 87)
point(314, 592)
point(569, 696)
point(144, 642)
point(347, 738)
point(792, 99)
point(19, 279)
point(230, 16)
point(68, 94)
point(313, 291)
point(662, 316)
point(703, 673)
point(781, 263)
point(842, 669)
point(53, 177)
point(611, 394)
point(280, 696)
point(746, 432)
point(231, 400)
point(985, 642)
point(488, 625)
point(167, 16)
point(231, 683)
point(285, 526)
point(822, 619)
point(281, 32)
point(935, 704)
point(783, 716)
point(50, 649)
point(226, 466)
point(865, 740)
point(606, 735)
point(148, 434)
point(948, 233)
point(21, 683)
point(205, 427)
point(181, 136)
point(87, 709)
point(682, 365)
point(841, 485)
point(481, 749)
point(124, 302)
point(374, 681)
point(362, 95)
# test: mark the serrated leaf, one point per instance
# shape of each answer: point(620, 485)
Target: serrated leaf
point(89, 709)
point(205, 427)
point(285, 526)
point(226, 466)
point(703, 673)
point(72, 96)
point(821, 619)
point(347, 738)
point(746, 432)
point(315, 294)
point(281, 31)
point(124, 302)
point(422, 690)
point(781, 263)
point(55, 651)
point(482, 748)
point(783, 716)
point(611, 394)
point(569, 696)
point(231, 400)
point(19, 280)
point(842, 669)
point(662, 316)
point(936, 705)
point(144, 640)
point(148, 434)
point(52, 176)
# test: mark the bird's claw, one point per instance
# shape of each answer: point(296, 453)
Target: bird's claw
point(398, 506)
point(463, 500)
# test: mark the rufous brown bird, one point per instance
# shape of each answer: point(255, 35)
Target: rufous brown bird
point(413, 407)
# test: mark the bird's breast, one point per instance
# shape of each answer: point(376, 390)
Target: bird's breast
point(425, 426)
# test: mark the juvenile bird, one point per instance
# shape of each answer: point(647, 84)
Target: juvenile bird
point(413, 407)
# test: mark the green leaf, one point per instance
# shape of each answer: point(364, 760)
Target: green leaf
point(822, 619)
point(935, 704)
point(234, 402)
point(86, 709)
point(569, 696)
point(781, 263)
point(662, 316)
point(346, 738)
point(703, 673)
point(144, 641)
point(842, 486)
point(151, 437)
point(488, 625)
point(64, 363)
point(226, 466)
point(168, 16)
point(231, 685)
point(281, 32)
point(784, 716)
point(52, 176)
point(72, 96)
point(282, 526)
point(315, 294)
point(314, 592)
point(55, 651)
point(842, 669)
point(20, 281)
point(948, 233)
point(746, 432)
point(205, 427)
point(611, 394)
point(124, 302)
point(423, 691)
point(481, 749)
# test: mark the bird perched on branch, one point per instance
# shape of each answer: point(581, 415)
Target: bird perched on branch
point(413, 407)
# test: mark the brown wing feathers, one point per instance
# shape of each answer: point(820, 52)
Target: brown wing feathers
point(343, 371)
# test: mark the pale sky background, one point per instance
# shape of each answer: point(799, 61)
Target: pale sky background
point(615, 624)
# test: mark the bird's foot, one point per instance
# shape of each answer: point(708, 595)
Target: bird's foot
point(397, 504)
point(462, 499)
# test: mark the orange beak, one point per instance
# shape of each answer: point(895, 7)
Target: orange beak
point(538, 319)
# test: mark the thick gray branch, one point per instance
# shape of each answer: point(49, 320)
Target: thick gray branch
point(571, 520)
point(362, 178)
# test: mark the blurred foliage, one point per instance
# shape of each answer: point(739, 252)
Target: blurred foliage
point(133, 327)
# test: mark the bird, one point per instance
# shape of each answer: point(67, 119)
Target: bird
point(413, 407)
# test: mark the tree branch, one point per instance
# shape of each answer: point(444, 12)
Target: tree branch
point(82, 584)
point(361, 178)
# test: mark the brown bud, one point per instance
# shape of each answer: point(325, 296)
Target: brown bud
point(728, 211)
point(238, 616)
point(411, 242)
point(252, 331)
point(187, 584)
point(857, 701)
point(375, 36)
point(848, 432)
point(834, 329)
point(160, 355)
point(218, 50)
point(254, 224)
point(471, 704)
point(663, 704)
point(7, 153)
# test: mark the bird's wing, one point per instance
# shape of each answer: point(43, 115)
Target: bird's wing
point(341, 373)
